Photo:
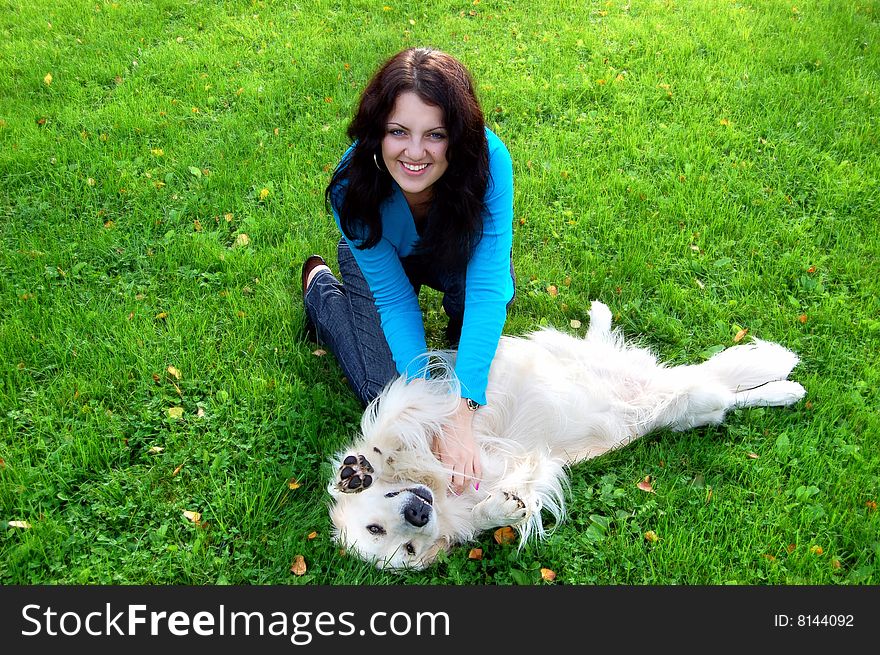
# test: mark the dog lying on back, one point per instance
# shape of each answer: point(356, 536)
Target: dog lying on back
point(553, 400)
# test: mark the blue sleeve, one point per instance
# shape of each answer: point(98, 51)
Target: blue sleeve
point(489, 285)
point(396, 301)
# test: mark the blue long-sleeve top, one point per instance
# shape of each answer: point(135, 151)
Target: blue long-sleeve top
point(488, 282)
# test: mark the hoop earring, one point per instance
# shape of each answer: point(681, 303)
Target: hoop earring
point(376, 161)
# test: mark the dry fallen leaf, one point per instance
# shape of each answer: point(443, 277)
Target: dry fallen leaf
point(312, 535)
point(299, 565)
point(174, 372)
point(175, 412)
point(48, 79)
point(505, 535)
point(576, 324)
point(870, 504)
point(24, 525)
point(802, 318)
point(552, 290)
point(651, 536)
point(155, 450)
point(195, 517)
point(753, 455)
point(241, 240)
point(548, 575)
point(176, 471)
point(739, 335)
point(293, 483)
point(319, 352)
point(645, 485)
point(162, 316)
point(816, 550)
point(476, 553)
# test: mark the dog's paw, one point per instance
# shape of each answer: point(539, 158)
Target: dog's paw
point(355, 474)
point(501, 508)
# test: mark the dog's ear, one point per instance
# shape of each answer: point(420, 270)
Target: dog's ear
point(441, 545)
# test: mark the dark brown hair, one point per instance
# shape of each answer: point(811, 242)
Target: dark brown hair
point(454, 224)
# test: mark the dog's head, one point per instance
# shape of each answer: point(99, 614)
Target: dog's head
point(395, 526)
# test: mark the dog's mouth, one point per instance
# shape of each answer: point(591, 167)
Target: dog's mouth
point(422, 493)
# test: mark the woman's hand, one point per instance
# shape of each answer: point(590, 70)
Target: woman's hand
point(458, 451)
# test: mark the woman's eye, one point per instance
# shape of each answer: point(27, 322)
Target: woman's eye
point(396, 132)
point(437, 136)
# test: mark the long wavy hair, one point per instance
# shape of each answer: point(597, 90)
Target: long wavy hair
point(454, 223)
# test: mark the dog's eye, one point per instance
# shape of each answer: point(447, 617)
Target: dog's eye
point(410, 549)
point(375, 529)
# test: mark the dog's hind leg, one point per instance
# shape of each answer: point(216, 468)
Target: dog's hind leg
point(752, 375)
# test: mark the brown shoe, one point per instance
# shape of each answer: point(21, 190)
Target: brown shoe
point(308, 266)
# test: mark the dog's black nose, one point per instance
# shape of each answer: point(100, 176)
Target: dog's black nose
point(417, 513)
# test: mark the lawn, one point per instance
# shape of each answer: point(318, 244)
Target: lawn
point(707, 169)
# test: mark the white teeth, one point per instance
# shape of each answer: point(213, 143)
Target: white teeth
point(415, 168)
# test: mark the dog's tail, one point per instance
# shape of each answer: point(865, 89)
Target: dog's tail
point(757, 374)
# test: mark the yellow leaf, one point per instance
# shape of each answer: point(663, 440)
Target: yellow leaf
point(476, 553)
point(175, 412)
point(48, 79)
point(158, 152)
point(753, 456)
point(299, 565)
point(162, 315)
point(155, 450)
point(651, 536)
point(174, 372)
point(816, 550)
point(293, 483)
point(552, 290)
point(548, 575)
point(264, 193)
point(319, 352)
point(576, 324)
point(176, 471)
point(739, 335)
point(242, 240)
point(195, 517)
point(24, 525)
point(505, 535)
point(312, 535)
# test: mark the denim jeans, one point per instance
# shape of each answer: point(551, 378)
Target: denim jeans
point(347, 322)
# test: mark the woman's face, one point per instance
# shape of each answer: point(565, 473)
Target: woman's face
point(414, 147)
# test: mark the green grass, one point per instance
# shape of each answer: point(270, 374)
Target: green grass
point(701, 167)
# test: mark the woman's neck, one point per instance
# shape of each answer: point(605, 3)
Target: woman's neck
point(419, 203)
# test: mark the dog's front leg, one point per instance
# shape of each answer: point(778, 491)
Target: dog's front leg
point(500, 508)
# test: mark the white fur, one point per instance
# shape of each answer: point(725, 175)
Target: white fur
point(553, 400)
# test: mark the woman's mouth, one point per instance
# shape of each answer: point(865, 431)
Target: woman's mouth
point(413, 169)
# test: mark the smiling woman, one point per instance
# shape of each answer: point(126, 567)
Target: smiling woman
point(423, 197)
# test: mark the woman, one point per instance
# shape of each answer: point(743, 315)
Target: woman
point(424, 196)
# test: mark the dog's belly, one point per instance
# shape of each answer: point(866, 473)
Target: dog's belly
point(566, 408)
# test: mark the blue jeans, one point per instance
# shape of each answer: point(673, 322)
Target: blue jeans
point(347, 322)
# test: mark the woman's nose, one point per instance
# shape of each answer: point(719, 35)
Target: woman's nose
point(415, 149)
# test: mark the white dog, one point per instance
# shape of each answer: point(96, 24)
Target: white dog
point(553, 400)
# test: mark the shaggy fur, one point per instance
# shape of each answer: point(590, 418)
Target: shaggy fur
point(553, 400)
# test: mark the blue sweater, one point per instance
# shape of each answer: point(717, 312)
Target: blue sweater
point(489, 286)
